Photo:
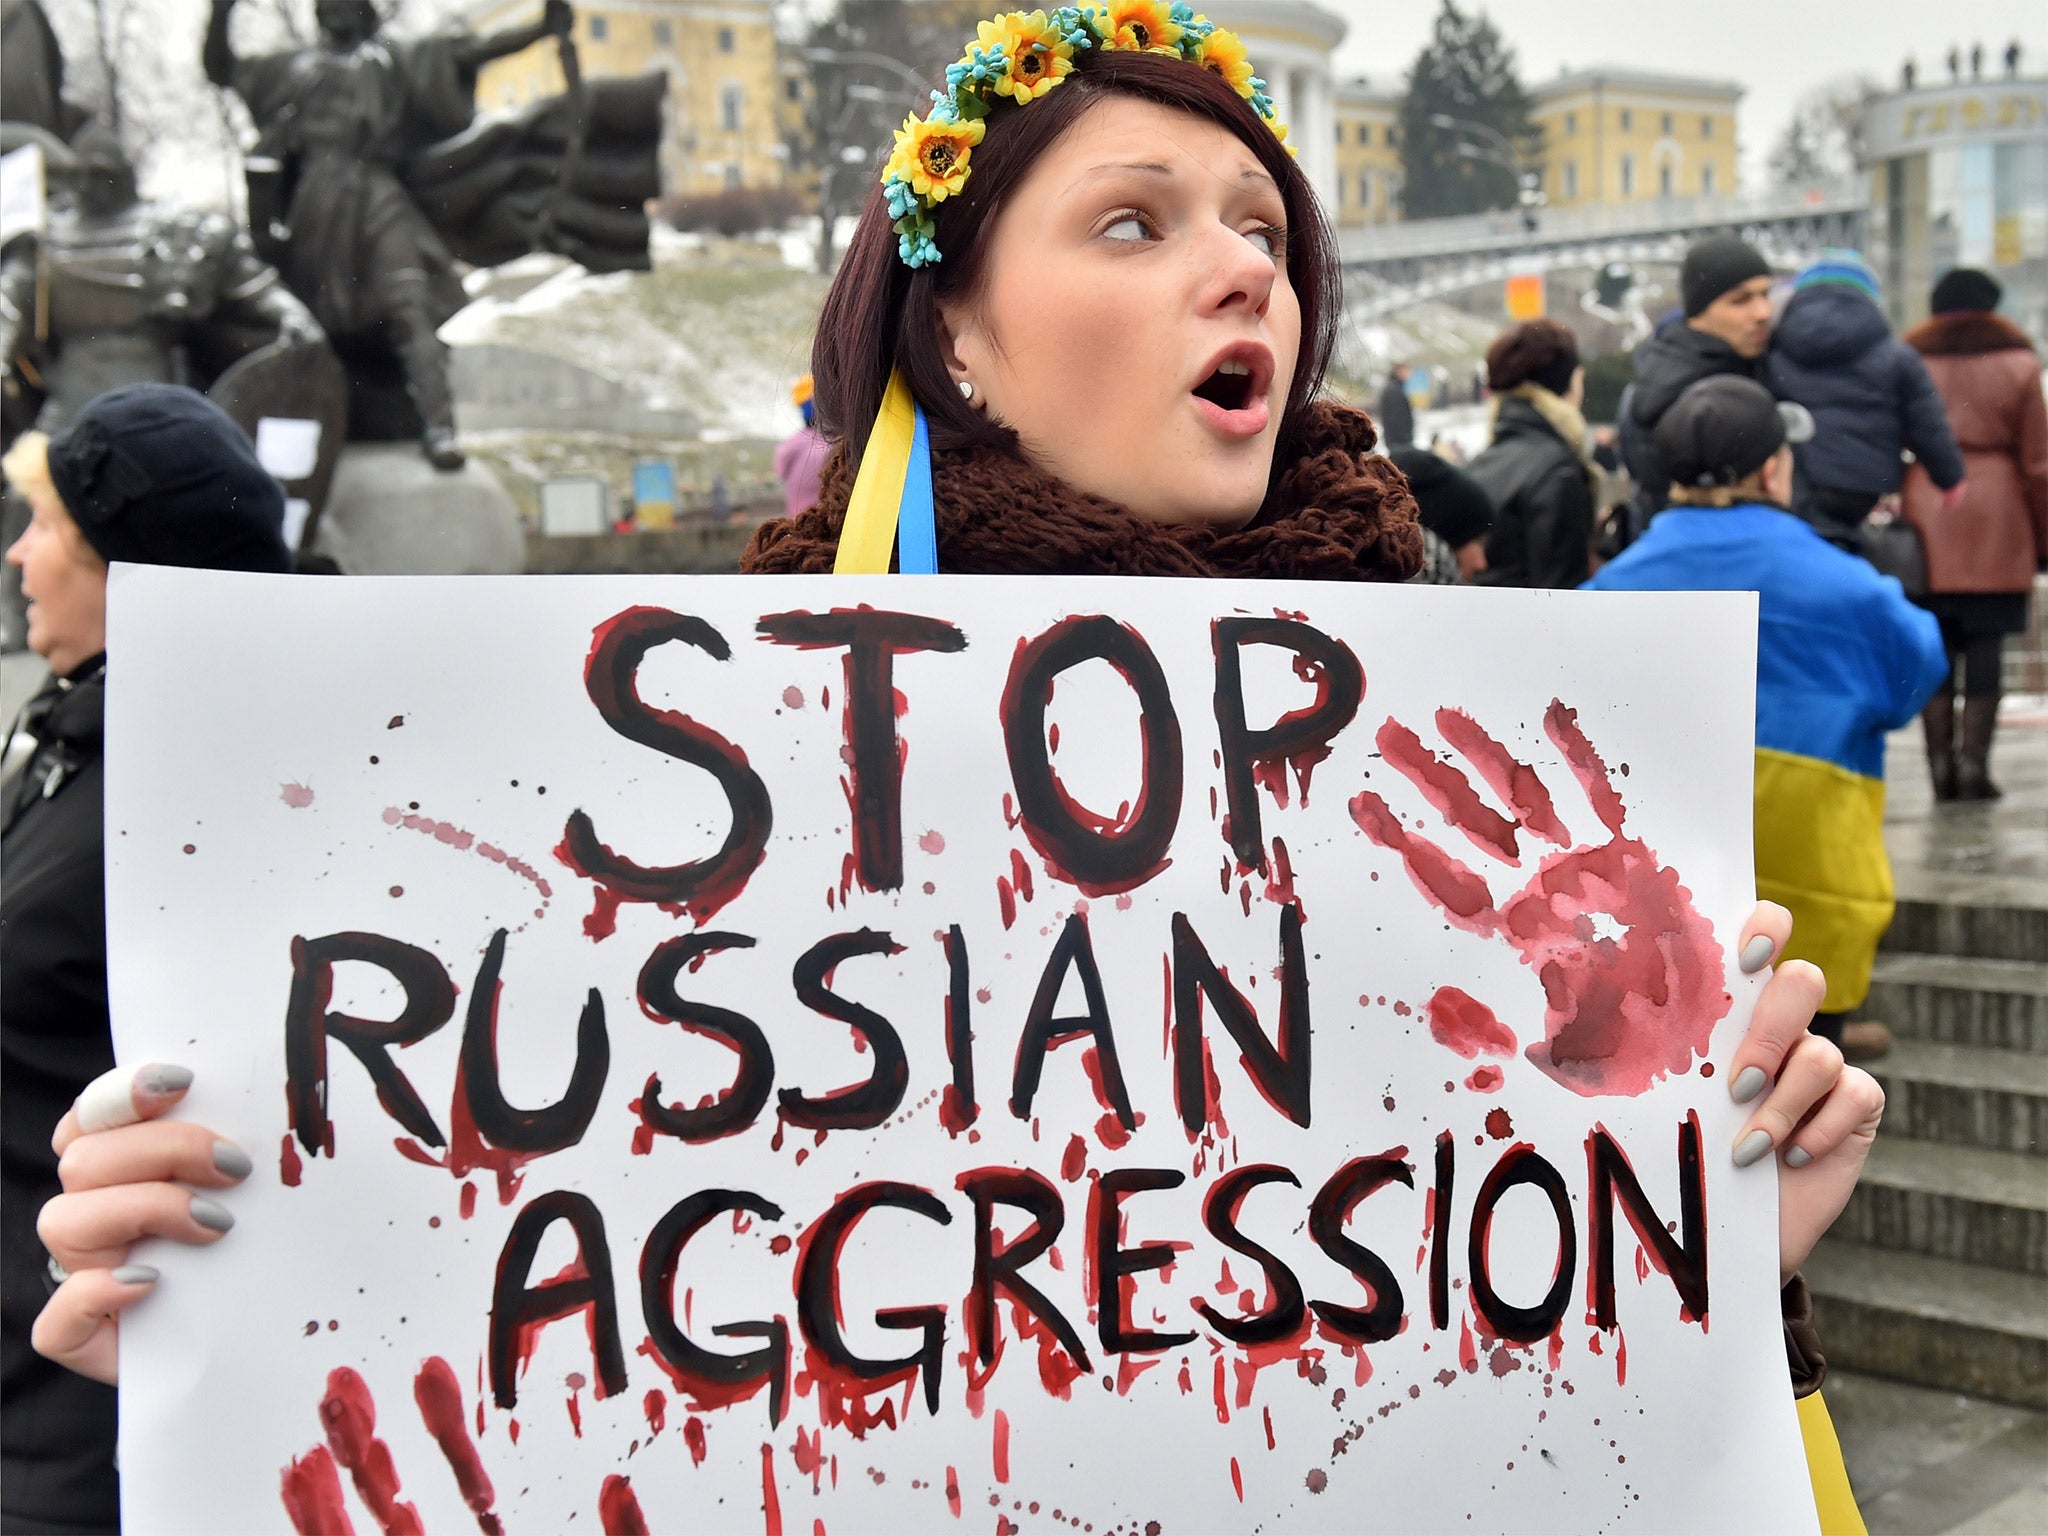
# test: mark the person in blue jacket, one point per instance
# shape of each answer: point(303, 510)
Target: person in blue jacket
point(1868, 392)
point(1842, 657)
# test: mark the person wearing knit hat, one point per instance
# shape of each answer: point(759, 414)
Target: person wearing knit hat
point(1842, 658)
point(158, 475)
point(1535, 469)
point(1869, 393)
point(1984, 551)
point(1726, 287)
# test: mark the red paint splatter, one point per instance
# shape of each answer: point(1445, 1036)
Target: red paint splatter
point(439, 1396)
point(771, 1499)
point(1468, 1354)
point(465, 842)
point(953, 1492)
point(693, 1437)
point(1514, 781)
point(1467, 1026)
point(311, 1490)
point(1484, 1079)
point(350, 1417)
point(1623, 1009)
point(1445, 786)
point(932, 842)
point(1237, 1479)
point(1000, 1439)
point(1317, 1480)
point(297, 796)
point(289, 1168)
point(1074, 1162)
point(1498, 1124)
point(655, 1404)
point(792, 697)
point(618, 1511)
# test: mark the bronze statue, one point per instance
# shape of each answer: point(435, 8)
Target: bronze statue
point(131, 291)
point(372, 177)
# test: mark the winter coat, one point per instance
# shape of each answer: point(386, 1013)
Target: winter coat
point(1666, 366)
point(1397, 415)
point(1834, 353)
point(1542, 501)
point(1842, 657)
point(56, 1428)
point(1985, 369)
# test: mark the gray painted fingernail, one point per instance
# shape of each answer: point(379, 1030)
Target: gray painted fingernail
point(164, 1078)
point(231, 1160)
point(214, 1216)
point(1753, 1148)
point(1756, 954)
point(1749, 1082)
point(1797, 1157)
point(135, 1274)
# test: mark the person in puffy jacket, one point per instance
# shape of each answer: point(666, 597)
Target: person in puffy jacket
point(1869, 393)
point(1983, 550)
point(1725, 284)
point(1842, 657)
point(1535, 470)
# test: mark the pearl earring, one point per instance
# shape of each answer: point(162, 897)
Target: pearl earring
point(966, 390)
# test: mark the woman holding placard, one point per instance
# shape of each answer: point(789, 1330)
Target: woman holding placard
point(1083, 338)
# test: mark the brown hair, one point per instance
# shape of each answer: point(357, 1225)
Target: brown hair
point(881, 314)
point(1534, 352)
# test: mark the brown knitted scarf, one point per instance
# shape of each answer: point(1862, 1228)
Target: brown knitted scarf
point(1336, 515)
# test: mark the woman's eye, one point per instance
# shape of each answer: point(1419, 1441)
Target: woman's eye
point(1130, 227)
point(1268, 238)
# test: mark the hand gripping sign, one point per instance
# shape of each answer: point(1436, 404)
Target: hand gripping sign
point(800, 1055)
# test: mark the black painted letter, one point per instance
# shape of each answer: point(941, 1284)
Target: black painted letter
point(429, 1003)
point(520, 1311)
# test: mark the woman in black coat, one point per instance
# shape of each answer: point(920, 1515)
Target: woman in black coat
point(1535, 469)
point(158, 475)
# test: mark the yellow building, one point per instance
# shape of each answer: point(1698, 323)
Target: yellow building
point(732, 96)
point(1368, 153)
point(1615, 135)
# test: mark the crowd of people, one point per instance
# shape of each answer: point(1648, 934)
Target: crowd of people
point(1893, 526)
point(1190, 439)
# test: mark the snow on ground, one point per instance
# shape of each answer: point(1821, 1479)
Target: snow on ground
point(719, 329)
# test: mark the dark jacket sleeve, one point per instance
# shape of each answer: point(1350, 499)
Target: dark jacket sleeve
point(1809, 1367)
point(1924, 420)
point(1559, 529)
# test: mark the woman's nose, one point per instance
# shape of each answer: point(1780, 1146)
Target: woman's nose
point(1234, 271)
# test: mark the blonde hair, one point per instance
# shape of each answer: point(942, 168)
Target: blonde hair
point(1748, 488)
point(27, 467)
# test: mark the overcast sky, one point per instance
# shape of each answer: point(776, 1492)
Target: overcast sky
point(1779, 49)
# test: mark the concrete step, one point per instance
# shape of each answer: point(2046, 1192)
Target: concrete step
point(1965, 1095)
point(1947, 1202)
point(1960, 1327)
point(1962, 1000)
point(1990, 917)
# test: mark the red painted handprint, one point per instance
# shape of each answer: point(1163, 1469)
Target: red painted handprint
point(1632, 974)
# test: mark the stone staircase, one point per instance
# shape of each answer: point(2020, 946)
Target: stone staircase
point(1937, 1273)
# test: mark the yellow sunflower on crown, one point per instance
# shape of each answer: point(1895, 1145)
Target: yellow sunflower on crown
point(932, 155)
point(1038, 56)
point(1222, 52)
point(1142, 26)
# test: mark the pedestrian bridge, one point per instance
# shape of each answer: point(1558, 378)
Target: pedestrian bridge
point(1389, 267)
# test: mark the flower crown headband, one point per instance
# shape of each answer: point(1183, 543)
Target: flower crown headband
point(1021, 55)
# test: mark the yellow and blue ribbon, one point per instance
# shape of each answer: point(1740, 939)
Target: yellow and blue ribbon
point(891, 506)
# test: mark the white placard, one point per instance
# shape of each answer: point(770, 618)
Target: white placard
point(288, 446)
point(1167, 1056)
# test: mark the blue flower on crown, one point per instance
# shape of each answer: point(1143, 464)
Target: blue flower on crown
point(1184, 17)
point(901, 198)
point(1072, 25)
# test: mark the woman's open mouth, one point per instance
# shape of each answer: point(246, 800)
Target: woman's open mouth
point(1231, 396)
